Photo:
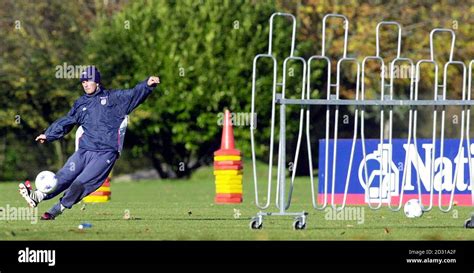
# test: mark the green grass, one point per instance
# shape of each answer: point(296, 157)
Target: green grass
point(185, 210)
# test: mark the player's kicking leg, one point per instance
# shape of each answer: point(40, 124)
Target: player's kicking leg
point(65, 176)
point(90, 179)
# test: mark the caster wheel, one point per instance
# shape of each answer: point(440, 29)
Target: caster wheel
point(299, 224)
point(468, 224)
point(256, 223)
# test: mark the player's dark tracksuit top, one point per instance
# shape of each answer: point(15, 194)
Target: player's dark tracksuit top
point(100, 115)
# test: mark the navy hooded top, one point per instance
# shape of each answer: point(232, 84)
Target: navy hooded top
point(100, 115)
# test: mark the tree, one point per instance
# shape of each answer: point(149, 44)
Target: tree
point(203, 52)
point(38, 38)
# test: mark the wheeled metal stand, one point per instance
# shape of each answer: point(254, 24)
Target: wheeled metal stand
point(439, 102)
point(282, 202)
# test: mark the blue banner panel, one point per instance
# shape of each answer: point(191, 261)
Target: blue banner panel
point(376, 178)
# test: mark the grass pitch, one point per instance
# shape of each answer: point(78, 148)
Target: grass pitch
point(185, 210)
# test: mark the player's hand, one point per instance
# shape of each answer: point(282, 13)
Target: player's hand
point(41, 138)
point(153, 81)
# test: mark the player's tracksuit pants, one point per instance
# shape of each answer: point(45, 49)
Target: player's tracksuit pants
point(83, 173)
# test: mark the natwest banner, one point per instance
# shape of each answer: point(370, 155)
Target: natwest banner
point(385, 176)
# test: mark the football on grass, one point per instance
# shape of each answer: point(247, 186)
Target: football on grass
point(413, 208)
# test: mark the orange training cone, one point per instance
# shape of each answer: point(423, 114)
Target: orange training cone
point(228, 167)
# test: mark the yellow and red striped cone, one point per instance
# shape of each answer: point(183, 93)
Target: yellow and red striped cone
point(101, 195)
point(228, 167)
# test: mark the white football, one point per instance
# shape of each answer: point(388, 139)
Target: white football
point(413, 208)
point(46, 182)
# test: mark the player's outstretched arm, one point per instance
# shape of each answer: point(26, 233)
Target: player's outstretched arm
point(132, 98)
point(59, 128)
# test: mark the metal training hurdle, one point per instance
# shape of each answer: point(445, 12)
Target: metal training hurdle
point(332, 103)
